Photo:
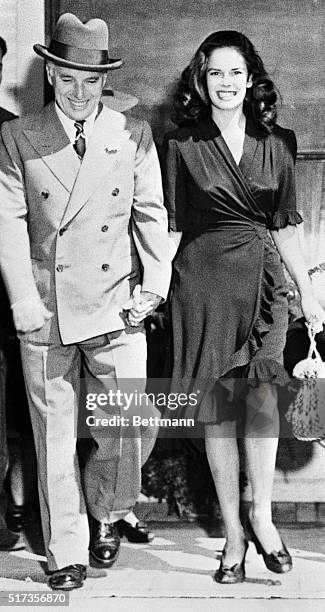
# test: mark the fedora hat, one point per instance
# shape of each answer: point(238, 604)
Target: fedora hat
point(83, 46)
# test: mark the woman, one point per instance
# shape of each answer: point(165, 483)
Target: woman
point(229, 178)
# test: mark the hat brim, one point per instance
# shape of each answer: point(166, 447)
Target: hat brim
point(118, 100)
point(112, 65)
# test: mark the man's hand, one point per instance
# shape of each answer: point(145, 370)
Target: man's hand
point(30, 315)
point(141, 305)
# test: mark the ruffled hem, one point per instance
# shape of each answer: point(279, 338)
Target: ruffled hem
point(246, 363)
point(263, 321)
point(281, 219)
point(266, 370)
point(257, 371)
point(227, 399)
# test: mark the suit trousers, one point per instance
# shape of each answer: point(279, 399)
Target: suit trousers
point(111, 482)
point(4, 459)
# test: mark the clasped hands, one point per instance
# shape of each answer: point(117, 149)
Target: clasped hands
point(140, 306)
point(30, 314)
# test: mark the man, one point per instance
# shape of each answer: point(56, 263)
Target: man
point(5, 324)
point(5, 115)
point(14, 418)
point(82, 227)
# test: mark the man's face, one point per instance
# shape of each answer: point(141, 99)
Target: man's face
point(1, 56)
point(77, 92)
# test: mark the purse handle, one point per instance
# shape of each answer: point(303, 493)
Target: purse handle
point(312, 349)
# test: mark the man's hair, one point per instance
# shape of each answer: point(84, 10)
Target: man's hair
point(3, 46)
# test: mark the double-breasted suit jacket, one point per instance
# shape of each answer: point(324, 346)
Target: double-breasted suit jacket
point(81, 236)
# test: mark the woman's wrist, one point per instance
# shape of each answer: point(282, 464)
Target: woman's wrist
point(303, 282)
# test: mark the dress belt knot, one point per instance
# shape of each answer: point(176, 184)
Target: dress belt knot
point(261, 231)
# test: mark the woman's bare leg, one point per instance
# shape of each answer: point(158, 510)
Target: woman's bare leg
point(261, 443)
point(223, 457)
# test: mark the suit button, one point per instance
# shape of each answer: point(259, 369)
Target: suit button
point(59, 268)
point(45, 194)
point(115, 191)
point(105, 267)
point(104, 228)
point(62, 230)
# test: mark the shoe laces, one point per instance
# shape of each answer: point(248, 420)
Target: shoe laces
point(105, 529)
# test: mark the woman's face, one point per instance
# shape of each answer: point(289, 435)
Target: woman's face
point(227, 78)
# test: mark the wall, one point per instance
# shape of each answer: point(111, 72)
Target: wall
point(22, 25)
point(310, 182)
point(157, 39)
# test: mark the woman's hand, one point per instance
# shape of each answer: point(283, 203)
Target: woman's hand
point(288, 244)
point(140, 306)
point(313, 312)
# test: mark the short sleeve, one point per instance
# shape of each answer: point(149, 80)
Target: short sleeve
point(285, 211)
point(174, 184)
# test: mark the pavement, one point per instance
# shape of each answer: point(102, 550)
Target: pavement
point(175, 572)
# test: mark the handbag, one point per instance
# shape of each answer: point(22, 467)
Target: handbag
point(306, 414)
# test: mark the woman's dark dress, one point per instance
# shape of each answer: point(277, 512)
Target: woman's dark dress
point(228, 298)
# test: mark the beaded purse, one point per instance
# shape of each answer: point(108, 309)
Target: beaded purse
point(307, 412)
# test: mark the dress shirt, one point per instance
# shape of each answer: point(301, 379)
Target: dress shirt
point(69, 124)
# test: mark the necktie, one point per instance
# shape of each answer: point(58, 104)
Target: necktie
point(80, 141)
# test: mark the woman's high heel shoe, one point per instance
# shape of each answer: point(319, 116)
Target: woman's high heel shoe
point(278, 562)
point(234, 574)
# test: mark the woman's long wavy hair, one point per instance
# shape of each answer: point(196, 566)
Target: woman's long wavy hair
point(191, 99)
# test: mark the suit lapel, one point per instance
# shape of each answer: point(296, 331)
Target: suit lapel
point(101, 158)
point(51, 142)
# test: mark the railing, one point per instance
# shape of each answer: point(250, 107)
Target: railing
point(311, 154)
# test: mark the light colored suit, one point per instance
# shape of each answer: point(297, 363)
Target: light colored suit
point(81, 237)
point(91, 229)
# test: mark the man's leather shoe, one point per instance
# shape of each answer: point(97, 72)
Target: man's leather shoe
point(104, 542)
point(68, 578)
point(139, 534)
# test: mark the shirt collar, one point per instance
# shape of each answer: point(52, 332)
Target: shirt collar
point(69, 127)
